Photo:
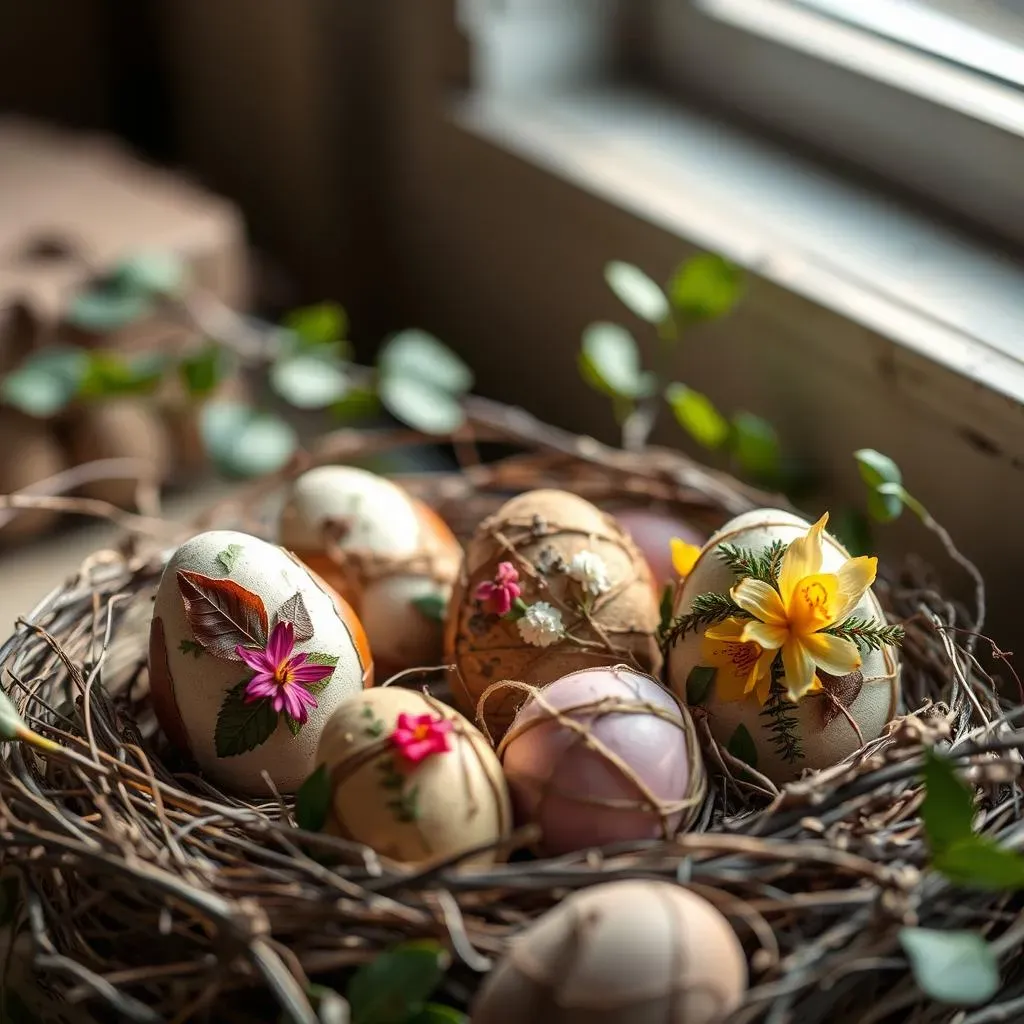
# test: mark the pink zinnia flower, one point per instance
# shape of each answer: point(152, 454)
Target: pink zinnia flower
point(281, 675)
point(419, 736)
point(498, 594)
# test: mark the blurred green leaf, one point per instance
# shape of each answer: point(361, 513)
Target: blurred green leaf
point(706, 287)
point(948, 807)
point(109, 374)
point(244, 442)
point(150, 273)
point(953, 967)
point(853, 530)
point(884, 480)
point(358, 403)
point(978, 863)
point(885, 507)
point(756, 446)
point(202, 371)
point(741, 746)
point(697, 415)
point(421, 404)
point(436, 1013)
point(637, 291)
point(610, 362)
point(45, 382)
point(418, 356)
point(396, 985)
point(107, 309)
point(308, 382)
point(322, 324)
point(666, 607)
point(313, 800)
point(433, 606)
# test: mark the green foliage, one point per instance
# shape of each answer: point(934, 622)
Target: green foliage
point(705, 287)
point(697, 415)
point(359, 403)
point(953, 967)
point(436, 1013)
point(395, 987)
point(322, 324)
point(885, 484)
point(243, 441)
point(313, 800)
point(698, 683)
point(150, 274)
point(421, 405)
point(309, 380)
point(107, 309)
point(610, 362)
point(783, 725)
point(110, 375)
point(433, 606)
point(665, 608)
point(202, 371)
point(706, 610)
point(243, 727)
point(868, 634)
point(755, 446)
point(853, 529)
point(637, 292)
point(741, 746)
point(745, 563)
point(45, 382)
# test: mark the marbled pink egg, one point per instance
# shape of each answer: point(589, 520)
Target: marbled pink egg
point(603, 755)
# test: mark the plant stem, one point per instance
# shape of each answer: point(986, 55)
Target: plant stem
point(639, 424)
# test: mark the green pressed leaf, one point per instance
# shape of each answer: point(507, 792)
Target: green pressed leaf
point(44, 383)
point(756, 446)
point(610, 362)
point(313, 800)
point(948, 806)
point(978, 863)
point(953, 967)
point(421, 405)
point(698, 683)
point(706, 287)
point(243, 727)
point(108, 374)
point(229, 556)
point(11, 723)
point(419, 356)
point(151, 273)
point(741, 746)
point(396, 985)
point(309, 382)
point(436, 1013)
point(697, 415)
point(294, 726)
point(433, 606)
point(319, 658)
point(202, 371)
point(243, 442)
point(106, 310)
point(637, 291)
point(322, 324)
point(357, 404)
point(191, 647)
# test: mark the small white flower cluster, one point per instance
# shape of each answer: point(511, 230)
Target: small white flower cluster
point(541, 625)
point(590, 572)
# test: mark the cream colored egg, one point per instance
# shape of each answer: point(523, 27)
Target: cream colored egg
point(539, 534)
point(630, 952)
point(823, 728)
point(414, 804)
point(388, 554)
point(222, 590)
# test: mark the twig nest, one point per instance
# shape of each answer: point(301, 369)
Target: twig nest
point(653, 533)
point(633, 952)
point(550, 584)
point(746, 689)
point(249, 655)
point(600, 756)
point(411, 778)
point(29, 454)
point(388, 554)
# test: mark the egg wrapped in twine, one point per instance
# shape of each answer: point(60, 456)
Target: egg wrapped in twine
point(602, 755)
point(539, 534)
point(451, 801)
point(630, 952)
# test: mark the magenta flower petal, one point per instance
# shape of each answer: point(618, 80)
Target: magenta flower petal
point(293, 704)
point(297, 659)
point(278, 698)
point(259, 687)
point(256, 660)
point(306, 697)
point(311, 673)
point(281, 642)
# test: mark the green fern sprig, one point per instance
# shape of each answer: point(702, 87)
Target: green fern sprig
point(867, 634)
point(744, 563)
point(706, 610)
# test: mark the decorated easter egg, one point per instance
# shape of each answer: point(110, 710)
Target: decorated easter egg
point(550, 584)
point(413, 779)
point(630, 952)
point(387, 553)
point(249, 654)
point(600, 756)
point(784, 645)
point(653, 533)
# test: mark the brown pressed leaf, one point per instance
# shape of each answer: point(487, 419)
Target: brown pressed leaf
point(222, 614)
point(839, 692)
point(294, 611)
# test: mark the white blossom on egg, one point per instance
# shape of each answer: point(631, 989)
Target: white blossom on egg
point(541, 625)
point(590, 572)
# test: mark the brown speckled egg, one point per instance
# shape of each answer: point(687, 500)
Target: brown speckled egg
point(653, 532)
point(600, 756)
point(632, 952)
point(412, 779)
point(590, 593)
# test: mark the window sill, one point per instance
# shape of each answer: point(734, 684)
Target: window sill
point(920, 285)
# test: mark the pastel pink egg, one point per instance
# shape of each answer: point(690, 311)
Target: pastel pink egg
point(600, 756)
point(652, 532)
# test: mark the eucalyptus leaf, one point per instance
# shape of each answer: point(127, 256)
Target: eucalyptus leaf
point(308, 382)
point(884, 508)
point(203, 370)
point(419, 356)
point(705, 287)
point(109, 374)
point(697, 415)
point(244, 442)
point(756, 446)
point(953, 967)
point(44, 383)
point(876, 468)
point(637, 291)
point(421, 404)
point(396, 985)
point(107, 309)
point(948, 806)
point(316, 325)
point(151, 273)
point(610, 362)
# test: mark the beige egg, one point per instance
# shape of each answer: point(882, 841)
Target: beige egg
point(452, 799)
point(221, 590)
point(30, 453)
point(632, 952)
point(390, 555)
point(782, 739)
point(541, 533)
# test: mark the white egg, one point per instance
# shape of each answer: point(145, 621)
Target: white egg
point(779, 739)
point(222, 590)
point(388, 554)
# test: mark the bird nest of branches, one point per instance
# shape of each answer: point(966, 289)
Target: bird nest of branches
point(139, 892)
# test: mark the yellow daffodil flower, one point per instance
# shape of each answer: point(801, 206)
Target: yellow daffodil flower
point(684, 557)
point(740, 665)
point(807, 601)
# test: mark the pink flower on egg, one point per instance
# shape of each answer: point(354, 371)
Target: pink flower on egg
point(498, 594)
point(420, 736)
point(281, 675)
